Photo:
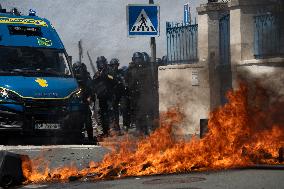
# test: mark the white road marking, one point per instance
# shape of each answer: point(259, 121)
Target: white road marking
point(36, 148)
point(34, 186)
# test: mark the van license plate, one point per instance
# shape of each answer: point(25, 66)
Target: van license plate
point(48, 126)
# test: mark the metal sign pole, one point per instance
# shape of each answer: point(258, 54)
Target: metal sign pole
point(80, 50)
point(153, 43)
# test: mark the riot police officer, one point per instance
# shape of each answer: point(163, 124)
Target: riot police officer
point(121, 96)
point(142, 87)
point(103, 83)
point(84, 80)
point(136, 89)
point(137, 59)
point(125, 99)
point(117, 89)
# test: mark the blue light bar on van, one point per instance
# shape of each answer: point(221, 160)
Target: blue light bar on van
point(32, 12)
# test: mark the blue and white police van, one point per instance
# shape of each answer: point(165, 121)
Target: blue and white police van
point(38, 92)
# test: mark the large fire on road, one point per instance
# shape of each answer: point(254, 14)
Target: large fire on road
point(248, 130)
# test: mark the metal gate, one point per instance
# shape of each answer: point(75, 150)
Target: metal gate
point(182, 43)
point(225, 71)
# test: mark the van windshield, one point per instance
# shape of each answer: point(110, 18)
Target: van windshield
point(33, 61)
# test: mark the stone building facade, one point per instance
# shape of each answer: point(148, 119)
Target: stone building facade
point(228, 49)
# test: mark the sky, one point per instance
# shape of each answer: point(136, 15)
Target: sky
point(101, 25)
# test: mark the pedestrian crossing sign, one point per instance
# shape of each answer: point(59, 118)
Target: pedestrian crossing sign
point(143, 20)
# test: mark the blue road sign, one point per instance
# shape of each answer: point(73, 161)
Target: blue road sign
point(143, 20)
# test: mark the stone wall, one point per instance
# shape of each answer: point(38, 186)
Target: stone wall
point(186, 87)
point(269, 73)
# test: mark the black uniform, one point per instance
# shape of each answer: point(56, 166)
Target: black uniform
point(125, 98)
point(135, 89)
point(121, 104)
point(85, 83)
point(103, 84)
point(142, 87)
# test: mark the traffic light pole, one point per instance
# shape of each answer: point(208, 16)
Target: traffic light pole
point(153, 43)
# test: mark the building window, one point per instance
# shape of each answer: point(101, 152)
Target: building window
point(268, 36)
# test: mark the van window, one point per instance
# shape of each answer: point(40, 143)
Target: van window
point(46, 62)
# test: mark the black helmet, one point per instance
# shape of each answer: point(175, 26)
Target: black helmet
point(165, 58)
point(146, 57)
point(76, 65)
point(84, 67)
point(79, 70)
point(114, 61)
point(101, 59)
point(137, 55)
point(15, 11)
point(101, 63)
point(79, 67)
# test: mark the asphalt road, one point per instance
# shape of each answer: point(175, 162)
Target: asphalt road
point(81, 155)
point(233, 179)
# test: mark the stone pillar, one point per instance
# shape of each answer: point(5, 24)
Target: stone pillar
point(208, 29)
point(235, 43)
point(208, 45)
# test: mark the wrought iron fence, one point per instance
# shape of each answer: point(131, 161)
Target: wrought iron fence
point(268, 36)
point(181, 43)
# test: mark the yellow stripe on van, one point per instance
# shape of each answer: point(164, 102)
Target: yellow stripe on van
point(7, 20)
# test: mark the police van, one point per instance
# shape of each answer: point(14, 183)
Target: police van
point(38, 92)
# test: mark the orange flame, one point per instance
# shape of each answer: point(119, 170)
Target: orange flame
point(248, 130)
